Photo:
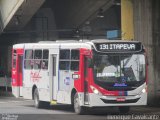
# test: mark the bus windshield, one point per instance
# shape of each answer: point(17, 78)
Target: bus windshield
point(119, 70)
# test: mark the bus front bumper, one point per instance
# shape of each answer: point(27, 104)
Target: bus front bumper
point(95, 100)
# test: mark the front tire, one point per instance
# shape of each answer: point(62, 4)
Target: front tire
point(77, 108)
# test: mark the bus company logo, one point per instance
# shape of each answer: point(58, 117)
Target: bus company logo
point(67, 80)
point(35, 77)
point(120, 85)
point(123, 79)
point(121, 82)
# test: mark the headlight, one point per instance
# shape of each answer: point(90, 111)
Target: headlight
point(95, 90)
point(144, 90)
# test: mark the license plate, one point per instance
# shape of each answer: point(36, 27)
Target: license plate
point(120, 99)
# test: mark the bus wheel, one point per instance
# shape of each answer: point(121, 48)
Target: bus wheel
point(124, 109)
point(37, 103)
point(77, 108)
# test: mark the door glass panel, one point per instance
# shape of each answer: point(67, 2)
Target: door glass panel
point(54, 66)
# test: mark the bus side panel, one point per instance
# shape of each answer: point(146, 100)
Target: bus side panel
point(66, 84)
point(39, 79)
point(43, 85)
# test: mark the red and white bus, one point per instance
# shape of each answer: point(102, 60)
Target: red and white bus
point(96, 73)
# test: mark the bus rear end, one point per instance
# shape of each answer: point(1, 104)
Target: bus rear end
point(17, 63)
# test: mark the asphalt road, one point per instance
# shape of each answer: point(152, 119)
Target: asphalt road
point(19, 109)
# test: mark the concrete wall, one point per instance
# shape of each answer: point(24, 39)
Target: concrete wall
point(41, 27)
point(110, 21)
point(73, 13)
point(45, 22)
point(147, 30)
point(5, 61)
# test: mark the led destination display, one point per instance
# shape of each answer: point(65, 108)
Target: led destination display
point(118, 47)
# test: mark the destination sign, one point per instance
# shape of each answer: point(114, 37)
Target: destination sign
point(118, 47)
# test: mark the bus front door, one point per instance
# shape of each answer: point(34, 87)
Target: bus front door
point(86, 97)
point(54, 77)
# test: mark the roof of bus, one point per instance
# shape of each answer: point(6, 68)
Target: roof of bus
point(67, 43)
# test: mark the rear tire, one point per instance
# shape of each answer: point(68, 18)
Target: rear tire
point(77, 108)
point(37, 102)
point(124, 109)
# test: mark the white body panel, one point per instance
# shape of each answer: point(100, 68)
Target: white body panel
point(66, 84)
point(49, 87)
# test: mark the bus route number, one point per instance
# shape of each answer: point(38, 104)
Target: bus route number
point(117, 47)
point(104, 47)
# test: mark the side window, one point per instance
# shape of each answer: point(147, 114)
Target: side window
point(37, 59)
point(64, 54)
point(75, 65)
point(38, 54)
point(45, 59)
point(64, 60)
point(28, 60)
point(28, 64)
point(75, 54)
point(45, 54)
point(28, 54)
point(75, 60)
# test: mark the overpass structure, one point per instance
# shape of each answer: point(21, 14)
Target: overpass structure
point(37, 20)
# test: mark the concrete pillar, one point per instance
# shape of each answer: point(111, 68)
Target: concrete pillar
point(42, 26)
point(143, 26)
point(7, 9)
point(127, 20)
point(156, 46)
point(15, 14)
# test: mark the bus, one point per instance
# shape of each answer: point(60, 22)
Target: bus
point(85, 74)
